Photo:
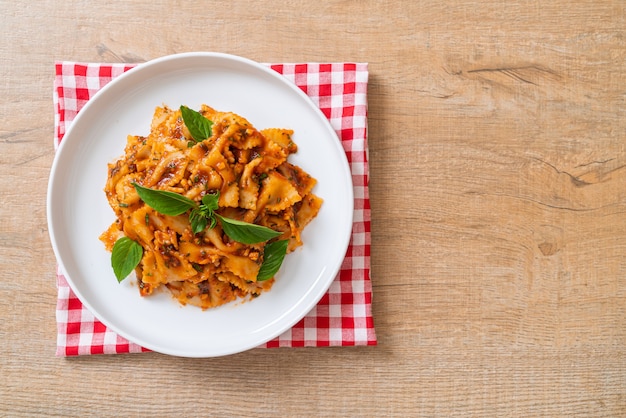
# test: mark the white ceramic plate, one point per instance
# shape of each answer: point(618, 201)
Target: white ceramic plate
point(78, 211)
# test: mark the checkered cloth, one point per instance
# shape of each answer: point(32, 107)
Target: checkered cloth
point(343, 316)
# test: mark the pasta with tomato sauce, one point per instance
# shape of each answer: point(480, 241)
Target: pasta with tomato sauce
point(255, 182)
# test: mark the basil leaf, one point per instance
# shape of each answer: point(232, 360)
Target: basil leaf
point(245, 232)
point(125, 256)
point(198, 220)
point(200, 216)
point(165, 202)
point(211, 201)
point(199, 126)
point(273, 256)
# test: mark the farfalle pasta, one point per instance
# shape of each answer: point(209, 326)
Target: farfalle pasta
point(248, 169)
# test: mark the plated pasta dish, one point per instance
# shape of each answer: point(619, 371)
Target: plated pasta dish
point(206, 206)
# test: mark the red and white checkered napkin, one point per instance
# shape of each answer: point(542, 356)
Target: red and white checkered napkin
point(343, 317)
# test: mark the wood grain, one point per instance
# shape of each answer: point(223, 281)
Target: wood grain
point(498, 189)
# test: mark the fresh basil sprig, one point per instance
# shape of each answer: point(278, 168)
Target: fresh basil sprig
point(199, 126)
point(165, 202)
point(173, 204)
point(273, 256)
point(245, 232)
point(125, 256)
point(204, 214)
point(127, 253)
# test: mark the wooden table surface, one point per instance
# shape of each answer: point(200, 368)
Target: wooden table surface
point(497, 141)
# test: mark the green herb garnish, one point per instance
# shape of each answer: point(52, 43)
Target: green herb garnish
point(245, 232)
point(199, 126)
point(125, 256)
point(273, 256)
point(165, 202)
point(203, 215)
